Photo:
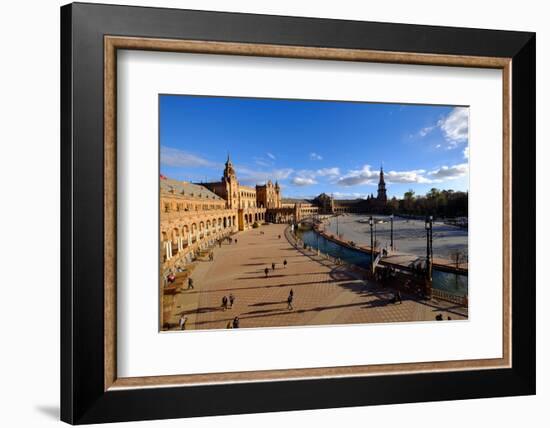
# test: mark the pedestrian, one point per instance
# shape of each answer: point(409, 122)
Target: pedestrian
point(236, 322)
point(183, 320)
point(285, 263)
point(273, 265)
point(224, 302)
point(279, 236)
point(231, 300)
point(449, 318)
point(235, 240)
point(190, 284)
point(289, 300)
point(439, 317)
point(229, 325)
point(266, 271)
point(291, 292)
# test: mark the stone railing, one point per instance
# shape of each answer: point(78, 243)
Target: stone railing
point(449, 297)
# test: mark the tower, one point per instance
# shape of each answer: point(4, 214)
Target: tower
point(229, 171)
point(382, 188)
point(231, 184)
point(277, 195)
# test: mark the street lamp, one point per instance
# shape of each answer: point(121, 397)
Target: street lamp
point(429, 249)
point(371, 245)
point(391, 232)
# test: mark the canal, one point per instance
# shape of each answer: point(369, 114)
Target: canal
point(446, 281)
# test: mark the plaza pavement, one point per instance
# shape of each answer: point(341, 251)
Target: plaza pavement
point(323, 292)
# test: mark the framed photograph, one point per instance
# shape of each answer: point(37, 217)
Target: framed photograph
point(266, 213)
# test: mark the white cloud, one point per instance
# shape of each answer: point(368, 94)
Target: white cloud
point(354, 195)
point(368, 176)
point(449, 172)
point(262, 162)
point(413, 176)
point(303, 181)
point(251, 177)
point(328, 172)
point(315, 156)
point(426, 130)
point(455, 126)
point(271, 156)
point(466, 152)
point(361, 176)
point(170, 156)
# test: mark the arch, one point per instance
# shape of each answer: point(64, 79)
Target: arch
point(175, 234)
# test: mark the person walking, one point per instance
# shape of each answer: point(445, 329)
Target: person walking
point(190, 285)
point(285, 263)
point(273, 265)
point(231, 300)
point(289, 300)
point(224, 302)
point(266, 271)
point(236, 322)
point(291, 292)
point(183, 320)
point(279, 236)
point(229, 325)
point(235, 240)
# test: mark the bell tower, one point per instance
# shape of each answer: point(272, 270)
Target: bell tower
point(231, 184)
point(382, 187)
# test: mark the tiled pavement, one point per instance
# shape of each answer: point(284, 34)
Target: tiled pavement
point(323, 293)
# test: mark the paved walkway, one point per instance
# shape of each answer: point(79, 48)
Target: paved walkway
point(323, 292)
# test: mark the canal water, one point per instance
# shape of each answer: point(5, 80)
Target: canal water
point(446, 281)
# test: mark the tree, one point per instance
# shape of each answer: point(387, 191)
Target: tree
point(408, 201)
point(458, 257)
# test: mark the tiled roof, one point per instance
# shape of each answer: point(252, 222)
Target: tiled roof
point(295, 201)
point(187, 189)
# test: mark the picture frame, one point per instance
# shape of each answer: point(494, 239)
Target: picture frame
point(91, 391)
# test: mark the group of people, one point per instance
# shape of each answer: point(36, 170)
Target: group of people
point(228, 301)
point(273, 265)
point(236, 323)
point(396, 297)
point(439, 317)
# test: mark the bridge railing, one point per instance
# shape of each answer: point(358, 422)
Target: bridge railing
point(449, 297)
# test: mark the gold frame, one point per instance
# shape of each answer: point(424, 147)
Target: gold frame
point(112, 43)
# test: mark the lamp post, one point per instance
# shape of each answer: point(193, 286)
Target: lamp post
point(371, 245)
point(429, 250)
point(391, 232)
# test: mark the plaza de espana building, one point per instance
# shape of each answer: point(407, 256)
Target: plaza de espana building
point(194, 216)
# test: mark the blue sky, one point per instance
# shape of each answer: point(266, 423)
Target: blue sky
point(315, 146)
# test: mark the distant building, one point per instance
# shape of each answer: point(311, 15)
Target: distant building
point(328, 205)
point(269, 195)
